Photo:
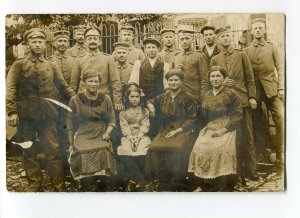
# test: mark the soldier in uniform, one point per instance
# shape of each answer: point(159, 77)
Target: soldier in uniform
point(100, 62)
point(193, 65)
point(169, 51)
point(80, 47)
point(210, 48)
point(124, 68)
point(65, 63)
point(270, 88)
point(127, 35)
point(240, 78)
point(29, 82)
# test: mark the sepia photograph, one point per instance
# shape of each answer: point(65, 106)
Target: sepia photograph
point(175, 102)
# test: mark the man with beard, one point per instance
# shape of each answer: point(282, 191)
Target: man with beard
point(169, 51)
point(29, 81)
point(210, 48)
point(269, 88)
point(65, 63)
point(80, 47)
point(240, 78)
point(127, 35)
point(100, 62)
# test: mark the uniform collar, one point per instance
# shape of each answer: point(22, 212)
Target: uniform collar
point(131, 48)
point(59, 55)
point(123, 66)
point(80, 46)
point(229, 50)
point(34, 59)
point(191, 50)
point(93, 53)
point(170, 49)
point(256, 43)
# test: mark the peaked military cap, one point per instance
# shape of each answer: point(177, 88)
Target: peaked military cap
point(165, 30)
point(61, 34)
point(79, 28)
point(92, 31)
point(123, 45)
point(151, 40)
point(127, 27)
point(186, 32)
point(258, 20)
point(33, 33)
point(222, 30)
point(207, 27)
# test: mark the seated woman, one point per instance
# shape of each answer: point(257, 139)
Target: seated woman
point(92, 120)
point(168, 154)
point(213, 158)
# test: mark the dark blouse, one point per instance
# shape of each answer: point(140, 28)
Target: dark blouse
point(226, 103)
point(181, 108)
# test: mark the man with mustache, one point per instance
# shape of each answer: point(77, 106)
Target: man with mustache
point(101, 62)
point(270, 88)
point(241, 78)
point(124, 68)
point(65, 63)
point(29, 81)
point(169, 51)
point(210, 48)
point(80, 47)
point(127, 35)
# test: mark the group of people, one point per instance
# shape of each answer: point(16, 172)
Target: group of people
point(137, 117)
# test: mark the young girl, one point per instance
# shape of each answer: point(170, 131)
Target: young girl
point(134, 122)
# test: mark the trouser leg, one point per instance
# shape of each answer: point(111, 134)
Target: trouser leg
point(48, 141)
point(260, 129)
point(275, 105)
point(245, 138)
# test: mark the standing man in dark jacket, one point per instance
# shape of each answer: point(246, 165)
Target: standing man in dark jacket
point(210, 48)
point(193, 65)
point(29, 82)
point(269, 86)
point(65, 63)
point(240, 78)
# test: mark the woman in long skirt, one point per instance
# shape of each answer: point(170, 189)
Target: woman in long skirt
point(213, 158)
point(168, 154)
point(89, 127)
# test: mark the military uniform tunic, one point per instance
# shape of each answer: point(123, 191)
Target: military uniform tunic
point(29, 81)
point(167, 55)
point(78, 50)
point(195, 73)
point(106, 66)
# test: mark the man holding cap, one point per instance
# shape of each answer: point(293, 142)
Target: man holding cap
point(269, 88)
point(29, 82)
point(101, 62)
point(149, 74)
point(193, 65)
point(241, 78)
point(127, 35)
point(80, 47)
point(65, 63)
point(168, 52)
point(210, 48)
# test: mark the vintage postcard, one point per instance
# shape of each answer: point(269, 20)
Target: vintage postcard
point(145, 102)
